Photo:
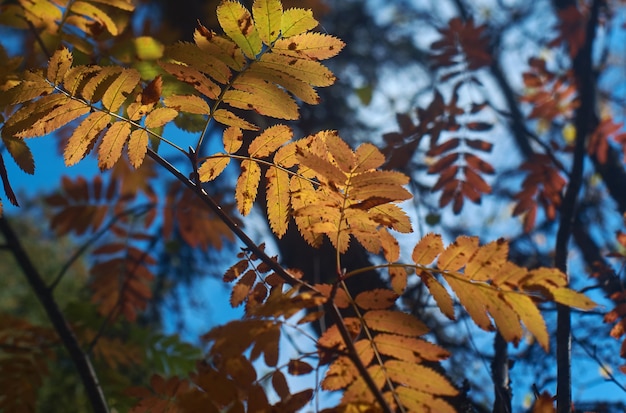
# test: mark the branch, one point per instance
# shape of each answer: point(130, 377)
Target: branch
point(585, 117)
point(79, 358)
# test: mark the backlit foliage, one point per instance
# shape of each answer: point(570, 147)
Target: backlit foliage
point(248, 80)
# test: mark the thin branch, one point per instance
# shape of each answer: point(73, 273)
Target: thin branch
point(584, 121)
point(79, 358)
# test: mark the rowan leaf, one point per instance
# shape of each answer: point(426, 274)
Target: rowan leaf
point(278, 200)
point(195, 78)
point(112, 144)
point(268, 16)
point(94, 13)
point(530, 316)
point(309, 71)
point(409, 349)
point(418, 377)
point(212, 167)
point(457, 254)
point(83, 137)
point(190, 104)
point(263, 97)
point(314, 46)
point(247, 186)
point(296, 21)
point(228, 118)
point(237, 23)
point(117, 93)
point(58, 65)
point(485, 263)
point(394, 322)
point(137, 147)
point(197, 61)
point(417, 401)
point(427, 249)
point(376, 299)
point(159, 117)
point(21, 154)
point(473, 299)
point(439, 293)
point(572, 298)
point(269, 141)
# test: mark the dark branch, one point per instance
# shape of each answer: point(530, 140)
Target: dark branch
point(79, 358)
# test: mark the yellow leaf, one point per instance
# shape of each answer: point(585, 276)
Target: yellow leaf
point(59, 64)
point(74, 77)
point(228, 118)
point(544, 404)
point(398, 277)
point(572, 298)
point(417, 401)
point(213, 167)
point(96, 14)
point(439, 293)
point(232, 139)
point(137, 147)
point(376, 299)
point(159, 117)
point(487, 260)
point(112, 143)
point(20, 153)
point(339, 149)
point(55, 119)
point(395, 322)
point(309, 71)
point(220, 47)
point(569, 133)
point(427, 249)
point(99, 83)
point(409, 349)
point(390, 245)
point(473, 299)
point(301, 187)
point(314, 46)
point(457, 254)
point(194, 78)
point(505, 318)
point(192, 56)
point(339, 374)
point(83, 137)
point(391, 216)
point(324, 168)
point(119, 90)
point(190, 104)
point(530, 316)
point(418, 377)
point(296, 21)
point(26, 90)
point(237, 23)
point(382, 191)
point(368, 157)
point(278, 205)
point(300, 89)
point(376, 178)
point(247, 186)
point(268, 15)
point(264, 97)
point(269, 141)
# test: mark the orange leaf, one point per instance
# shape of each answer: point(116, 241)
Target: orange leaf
point(377, 299)
point(427, 249)
point(395, 322)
